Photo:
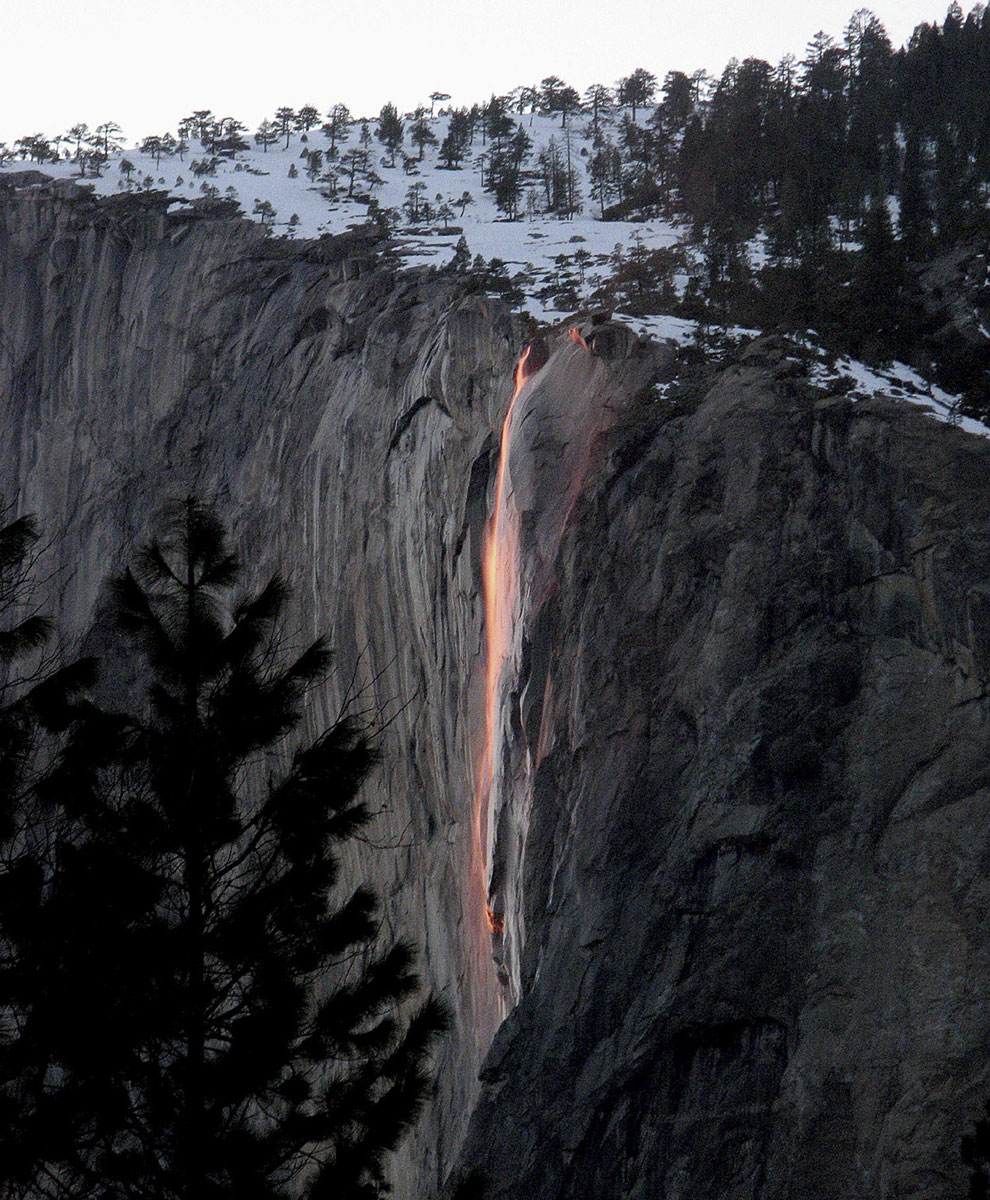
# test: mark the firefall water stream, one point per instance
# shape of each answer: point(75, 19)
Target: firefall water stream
point(500, 581)
point(561, 404)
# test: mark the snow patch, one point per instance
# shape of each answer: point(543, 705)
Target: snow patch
point(896, 381)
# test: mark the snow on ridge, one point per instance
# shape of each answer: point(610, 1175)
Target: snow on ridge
point(255, 178)
point(896, 381)
point(533, 248)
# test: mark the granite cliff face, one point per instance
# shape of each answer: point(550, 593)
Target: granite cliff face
point(737, 832)
point(342, 420)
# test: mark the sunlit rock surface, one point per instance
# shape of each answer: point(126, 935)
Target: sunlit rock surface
point(549, 443)
point(745, 830)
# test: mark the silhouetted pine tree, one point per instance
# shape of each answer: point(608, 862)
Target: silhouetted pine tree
point(35, 695)
point(915, 220)
point(390, 130)
point(36, 702)
point(876, 307)
point(956, 197)
point(191, 1011)
point(24, 632)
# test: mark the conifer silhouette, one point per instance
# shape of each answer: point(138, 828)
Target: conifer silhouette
point(193, 1012)
point(37, 700)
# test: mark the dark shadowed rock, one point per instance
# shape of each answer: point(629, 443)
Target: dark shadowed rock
point(26, 178)
point(755, 888)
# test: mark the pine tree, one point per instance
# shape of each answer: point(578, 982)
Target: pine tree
point(390, 130)
point(451, 151)
point(550, 88)
point(420, 132)
point(228, 140)
point(875, 309)
point(461, 260)
point(597, 101)
point(285, 121)
point(266, 210)
point(307, 117)
point(36, 700)
point(637, 89)
point(915, 218)
point(151, 145)
point(604, 169)
point(108, 137)
point(30, 684)
point(413, 203)
point(78, 134)
point(353, 162)
point(678, 103)
point(337, 127)
point(191, 1008)
point(267, 135)
point(568, 101)
point(505, 184)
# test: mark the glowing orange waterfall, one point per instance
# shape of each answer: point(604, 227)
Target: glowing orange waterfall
point(500, 574)
point(500, 563)
point(560, 405)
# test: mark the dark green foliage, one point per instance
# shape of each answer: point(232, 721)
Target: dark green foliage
point(816, 193)
point(642, 280)
point(915, 212)
point(461, 260)
point(505, 165)
point(35, 697)
point(494, 276)
point(420, 132)
point(555, 96)
point(23, 632)
point(390, 130)
point(678, 99)
point(459, 133)
point(877, 294)
point(804, 154)
point(192, 1007)
point(637, 89)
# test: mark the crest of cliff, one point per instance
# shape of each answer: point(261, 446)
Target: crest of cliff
point(748, 842)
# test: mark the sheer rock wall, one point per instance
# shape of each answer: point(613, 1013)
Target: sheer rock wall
point(758, 871)
point(756, 867)
point(341, 418)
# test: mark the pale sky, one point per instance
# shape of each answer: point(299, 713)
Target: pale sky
point(146, 65)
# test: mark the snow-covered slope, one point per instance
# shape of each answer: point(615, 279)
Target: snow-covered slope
point(530, 245)
point(896, 381)
point(539, 250)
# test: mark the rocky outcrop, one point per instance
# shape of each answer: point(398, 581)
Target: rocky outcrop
point(740, 847)
point(955, 291)
point(954, 333)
